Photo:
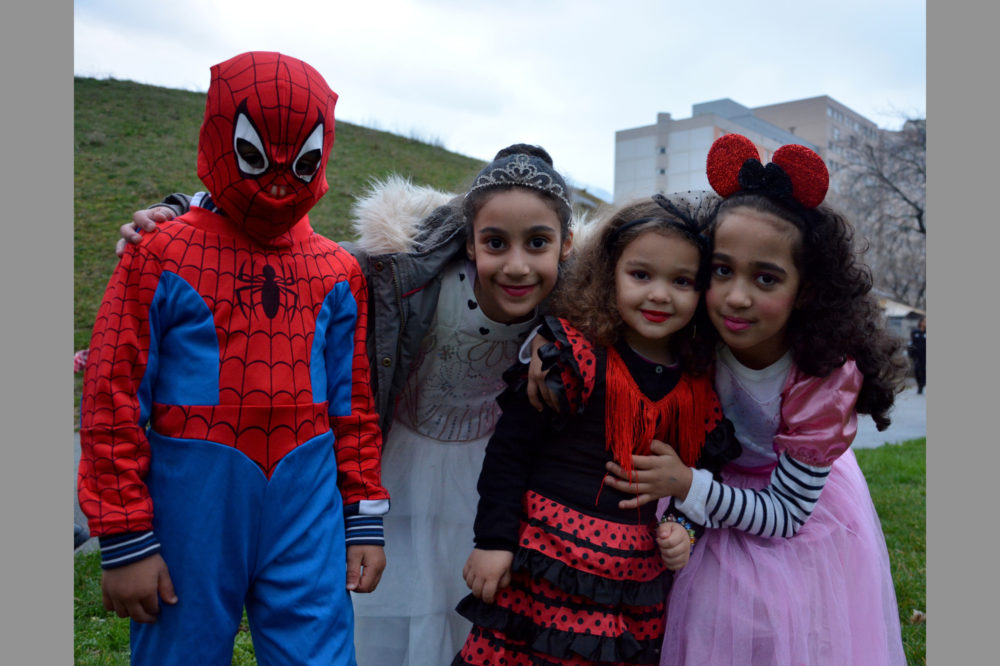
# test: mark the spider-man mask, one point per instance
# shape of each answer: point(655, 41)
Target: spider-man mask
point(264, 143)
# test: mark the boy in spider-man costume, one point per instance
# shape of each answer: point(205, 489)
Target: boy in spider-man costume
point(231, 450)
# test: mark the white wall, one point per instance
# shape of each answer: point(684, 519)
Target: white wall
point(686, 153)
point(635, 167)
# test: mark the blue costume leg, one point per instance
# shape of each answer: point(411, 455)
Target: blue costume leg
point(298, 605)
point(206, 501)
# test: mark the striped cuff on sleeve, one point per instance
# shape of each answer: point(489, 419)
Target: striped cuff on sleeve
point(364, 530)
point(118, 550)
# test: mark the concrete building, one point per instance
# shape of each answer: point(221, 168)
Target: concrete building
point(669, 156)
point(825, 123)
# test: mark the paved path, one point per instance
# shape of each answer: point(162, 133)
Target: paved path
point(909, 421)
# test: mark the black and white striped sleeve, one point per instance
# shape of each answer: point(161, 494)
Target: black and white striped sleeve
point(778, 510)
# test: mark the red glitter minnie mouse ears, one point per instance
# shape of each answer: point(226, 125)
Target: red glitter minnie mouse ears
point(733, 165)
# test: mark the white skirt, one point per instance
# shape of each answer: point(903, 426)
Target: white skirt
point(410, 619)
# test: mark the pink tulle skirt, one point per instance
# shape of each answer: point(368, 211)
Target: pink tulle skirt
point(825, 596)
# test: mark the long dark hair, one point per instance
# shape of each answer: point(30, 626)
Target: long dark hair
point(836, 316)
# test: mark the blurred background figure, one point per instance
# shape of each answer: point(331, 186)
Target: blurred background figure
point(918, 353)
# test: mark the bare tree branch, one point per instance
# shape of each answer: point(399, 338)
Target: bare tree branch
point(883, 190)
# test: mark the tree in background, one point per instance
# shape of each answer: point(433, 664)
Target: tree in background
point(883, 187)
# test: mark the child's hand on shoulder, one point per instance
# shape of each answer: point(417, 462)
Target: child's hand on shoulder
point(675, 545)
point(486, 571)
point(142, 220)
point(660, 474)
point(134, 590)
point(365, 564)
point(539, 394)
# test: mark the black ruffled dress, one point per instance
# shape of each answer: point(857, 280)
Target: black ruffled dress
point(588, 585)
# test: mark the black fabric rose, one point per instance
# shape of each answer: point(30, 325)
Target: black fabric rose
point(770, 180)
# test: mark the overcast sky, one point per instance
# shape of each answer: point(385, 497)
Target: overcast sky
point(477, 76)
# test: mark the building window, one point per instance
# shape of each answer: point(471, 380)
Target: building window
point(662, 172)
point(662, 150)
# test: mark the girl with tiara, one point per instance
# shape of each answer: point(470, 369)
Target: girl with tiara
point(793, 567)
point(455, 285)
point(560, 574)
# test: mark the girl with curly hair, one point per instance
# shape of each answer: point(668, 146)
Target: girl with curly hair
point(793, 567)
point(560, 573)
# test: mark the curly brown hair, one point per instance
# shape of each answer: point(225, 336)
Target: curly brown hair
point(836, 315)
point(585, 295)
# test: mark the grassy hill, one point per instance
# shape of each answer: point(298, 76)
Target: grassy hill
point(135, 143)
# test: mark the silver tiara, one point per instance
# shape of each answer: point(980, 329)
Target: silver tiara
point(525, 171)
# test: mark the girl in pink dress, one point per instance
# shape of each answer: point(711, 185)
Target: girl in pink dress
point(793, 567)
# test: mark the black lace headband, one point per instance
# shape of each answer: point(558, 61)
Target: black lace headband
point(683, 223)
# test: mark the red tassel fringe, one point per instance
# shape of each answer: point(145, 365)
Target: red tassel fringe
point(680, 419)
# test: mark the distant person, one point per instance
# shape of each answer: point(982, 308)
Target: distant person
point(561, 573)
point(80, 532)
point(80, 535)
point(230, 445)
point(792, 567)
point(454, 291)
point(918, 353)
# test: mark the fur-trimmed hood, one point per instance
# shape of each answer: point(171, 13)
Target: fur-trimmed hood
point(392, 215)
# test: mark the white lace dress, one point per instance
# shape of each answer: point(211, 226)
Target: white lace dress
point(431, 462)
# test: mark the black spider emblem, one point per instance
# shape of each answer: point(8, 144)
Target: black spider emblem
point(269, 289)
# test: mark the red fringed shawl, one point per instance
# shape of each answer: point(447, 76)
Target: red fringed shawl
point(681, 419)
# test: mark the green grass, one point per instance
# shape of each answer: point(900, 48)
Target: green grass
point(101, 637)
point(135, 143)
point(896, 477)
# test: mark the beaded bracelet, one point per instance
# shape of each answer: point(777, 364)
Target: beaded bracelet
point(683, 522)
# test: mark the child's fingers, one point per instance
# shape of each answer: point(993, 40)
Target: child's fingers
point(147, 218)
point(370, 578)
point(467, 575)
point(477, 587)
point(156, 214)
point(665, 530)
point(146, 608)
point(550, 397)
point(642, 463)
point(633, 487)
point(631, 503)
point(637, 501)
point(165, 588)
point(489, 591)
point(618, 472)
point(660, 448)
point(353, 571)
point(677, 562)
point(533, 397)
point(674, 544)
